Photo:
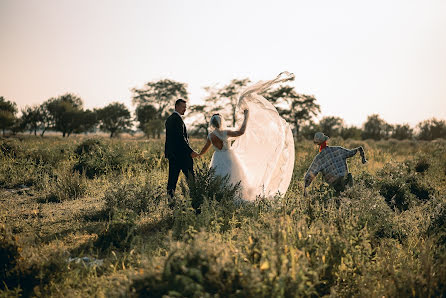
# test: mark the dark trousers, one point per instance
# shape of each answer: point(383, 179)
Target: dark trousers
point(174, 171)
point(340, 184)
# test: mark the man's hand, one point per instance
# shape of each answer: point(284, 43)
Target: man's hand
point(305, 192)
point(361, 152)
point(194, 154)
point(246, 112)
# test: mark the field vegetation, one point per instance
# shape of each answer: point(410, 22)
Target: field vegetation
point(88, 216)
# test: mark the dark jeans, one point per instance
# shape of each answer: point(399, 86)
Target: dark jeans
point(174, 171)
point(340, 184)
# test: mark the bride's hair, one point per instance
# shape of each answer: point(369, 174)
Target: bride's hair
point(216, 121)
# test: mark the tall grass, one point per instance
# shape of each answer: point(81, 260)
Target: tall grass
point(105, 199)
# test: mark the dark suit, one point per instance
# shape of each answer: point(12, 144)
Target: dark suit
point(177, 151)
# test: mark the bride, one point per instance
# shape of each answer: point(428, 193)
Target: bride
point(261, 158)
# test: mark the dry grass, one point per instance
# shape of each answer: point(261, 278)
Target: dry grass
point(357, 244)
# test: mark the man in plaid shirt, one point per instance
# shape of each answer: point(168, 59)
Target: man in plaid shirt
point(332, 163)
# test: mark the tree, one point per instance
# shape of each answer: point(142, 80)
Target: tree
point(8, 110)
point(230, 94)
point(213, 103)
point(331, 125)
point(66, 111)
point(432, 129)
point(202, 117)
point(31, 119)
point(402, 132)
point(88, 121)
point(296, 108)
point(161, 95)
point(351, 132)
point(145, 113)
point(47, 119)
point(154, 127)
point(114, 118)
point(375, 128)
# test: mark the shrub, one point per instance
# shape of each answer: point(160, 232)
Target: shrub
point(65, 185)
point(96, 158)
point(9, 253)
point(9, 148)
point(206, 185)
point(118, 234)
point(134, 197)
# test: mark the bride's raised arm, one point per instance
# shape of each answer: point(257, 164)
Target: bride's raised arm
point(242, 129)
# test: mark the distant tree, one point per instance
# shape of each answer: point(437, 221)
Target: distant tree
point(31, 119)
point(8, 110)
point(145, 113)
point(201, 118)
point(230, 95)
point(296, 108)
point(154, 127)
point(213, 103)
point(88, 121)
point(402, 132)
point(308, 130)
point(161, 95)
point(432, 129)
point(351, 132)
point(47, 119)
point(331, 125)
point(114, 118)
point(375, 128)
point(66, 111)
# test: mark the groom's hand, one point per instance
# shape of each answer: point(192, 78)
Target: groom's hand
point(194, 154)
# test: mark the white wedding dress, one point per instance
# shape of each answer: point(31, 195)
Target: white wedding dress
point(262, 159)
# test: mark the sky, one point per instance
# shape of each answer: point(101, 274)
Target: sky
point(356, 57)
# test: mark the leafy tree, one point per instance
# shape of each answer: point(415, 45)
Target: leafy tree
point(114, 118)
point(145, 113)
point(331, 125)
point(309, 129)
point(31, 119)
point(8, 110)
point(161, 95)
point(47, 119)
point(66, 112)
point(375, 128)
point(402, 132)
point(213, 103)
point(432, 129)
point(202, 118)
point(154, 127)
point(88, 121)
point(230, 95)
point(296, 108)
point(351, 132)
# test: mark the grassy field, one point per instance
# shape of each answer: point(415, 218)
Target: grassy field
point(89, 217)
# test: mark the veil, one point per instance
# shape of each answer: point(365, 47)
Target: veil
point(267, 146)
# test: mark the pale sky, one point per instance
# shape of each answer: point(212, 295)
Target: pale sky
point(356, 57)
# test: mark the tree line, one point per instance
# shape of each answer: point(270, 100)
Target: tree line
point(154, 101)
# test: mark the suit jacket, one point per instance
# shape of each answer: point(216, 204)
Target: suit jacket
point(177, 141)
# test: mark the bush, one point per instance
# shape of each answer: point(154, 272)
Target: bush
point(134, 197)
point(9, 253)
point(402, 188)
point(9, 148)
point(118, 234)
point(206, 185)
point(96, 158)
point(65, 185)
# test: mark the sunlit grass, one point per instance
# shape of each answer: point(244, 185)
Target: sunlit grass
point(385, 236)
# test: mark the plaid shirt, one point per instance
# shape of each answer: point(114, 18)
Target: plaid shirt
point(332, 162)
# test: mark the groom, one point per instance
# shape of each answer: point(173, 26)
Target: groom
point(177, 149)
